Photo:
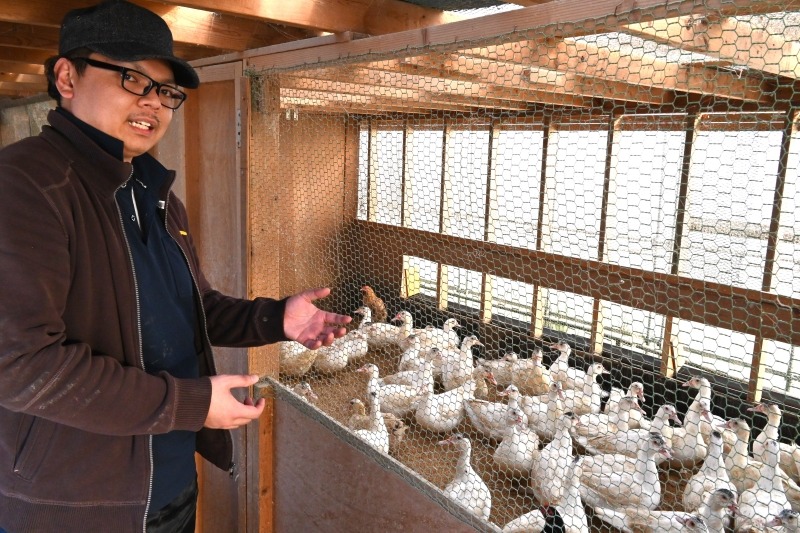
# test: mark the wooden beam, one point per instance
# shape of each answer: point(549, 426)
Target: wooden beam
point(734, 41)
point(574, 18)
point(734, 308)
point(15, 67)
point(188, 25)
point(494, 83)
point(374, 17)
point(581, 66)
point(27, 36)
point(429, 86)
point(294, 98)
point(419, 97)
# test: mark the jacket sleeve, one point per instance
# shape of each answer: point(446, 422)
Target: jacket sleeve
point(50, 371)
point(230, 321)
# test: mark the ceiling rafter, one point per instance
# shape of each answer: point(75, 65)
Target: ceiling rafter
point(417, 96)
point(635, 67)
point(397, 73)
point(374, 17)
point(730, 40)
point(189, 25)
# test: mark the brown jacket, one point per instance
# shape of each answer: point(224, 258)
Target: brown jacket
point(76, 407)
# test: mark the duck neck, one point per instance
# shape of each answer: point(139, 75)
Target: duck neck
point(465, 460)
point(713, 457)
point(773, 425)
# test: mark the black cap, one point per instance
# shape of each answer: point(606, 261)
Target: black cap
point(125, 32)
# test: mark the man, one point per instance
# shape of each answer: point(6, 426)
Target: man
point(107, 380)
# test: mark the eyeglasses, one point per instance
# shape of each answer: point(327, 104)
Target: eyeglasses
point(141, 84)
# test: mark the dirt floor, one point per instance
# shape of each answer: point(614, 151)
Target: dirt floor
point(419, 450)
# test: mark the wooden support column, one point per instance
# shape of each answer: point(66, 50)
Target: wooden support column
point(266, 194)
point(670, 349)
point(756, 385)
point(537, 307)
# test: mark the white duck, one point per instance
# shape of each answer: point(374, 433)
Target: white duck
point(380, 334)
point(560, 369)
point(788, 519)
point(503, 368)
point(490, 417)
point(532, 378)
point(636, 389)
point(766, 498)
point(467, 487)
point(335, 357)
point(565, 516)
point(295, 359)
point(443, 412)
point(712, 476)
point(396, 399)
point(375, 434)
point(786, 461)
point(417, 377)
point(458, 365)
point(744, 471)
point(597, 430)
point(543, 416)
point(588, 395)
point(303, 389)
point(445, 338)
point(703, 387)
point(629, 484)
point(643, 520)
point(550, 475)
point(519, 448)
point(713, 512)
point(629, 442)
point(412, 355)
point(687, 443)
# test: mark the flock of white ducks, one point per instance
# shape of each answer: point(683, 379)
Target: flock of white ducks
point(548, 413)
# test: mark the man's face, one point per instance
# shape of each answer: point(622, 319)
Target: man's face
point(97, 98)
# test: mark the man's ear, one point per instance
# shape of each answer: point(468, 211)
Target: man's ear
point(65, 74)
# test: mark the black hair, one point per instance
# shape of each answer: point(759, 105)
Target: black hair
point(75, 57)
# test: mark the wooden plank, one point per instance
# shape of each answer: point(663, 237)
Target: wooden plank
point(15, 67)
point(575, 18)
point(415, 97)
point(297, 97)
point(734, 41)
point(188, 25)
point(27, 36)
point(746, 311)
point(366, 16)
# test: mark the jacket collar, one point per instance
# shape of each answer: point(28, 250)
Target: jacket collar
point(89, 155)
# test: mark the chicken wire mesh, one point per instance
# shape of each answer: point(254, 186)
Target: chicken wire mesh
point(572, 253)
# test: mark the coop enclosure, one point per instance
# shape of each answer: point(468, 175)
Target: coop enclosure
point(623, 179)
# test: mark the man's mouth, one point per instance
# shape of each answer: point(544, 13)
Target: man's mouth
point(141, 125)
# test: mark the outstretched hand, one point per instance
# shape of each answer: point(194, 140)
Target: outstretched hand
point(312, 327)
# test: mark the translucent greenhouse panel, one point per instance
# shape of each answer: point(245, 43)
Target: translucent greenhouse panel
point(643, 198)
point(515, 187)
point(783, 374)
point(387, 176)
point(567, 313)
point(463, 287)
point(576, 162)
point(466, 172)
point(731, 193)
point(511, 300)
point(633, 329)
point(419, 276)
point(423, 178)
point(717, 350)
point(363, 172)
